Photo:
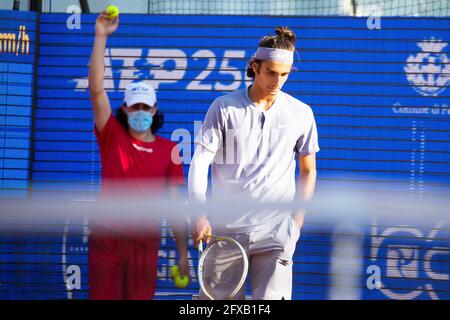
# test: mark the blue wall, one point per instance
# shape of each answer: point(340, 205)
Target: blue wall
point(380, 99)
point(17, 60)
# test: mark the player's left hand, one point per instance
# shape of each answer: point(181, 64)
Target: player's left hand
point(299, 218)
point(200, 229)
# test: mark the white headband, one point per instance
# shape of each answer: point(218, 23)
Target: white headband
point(274, 54)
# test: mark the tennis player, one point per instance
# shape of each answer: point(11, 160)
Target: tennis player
point(135, 162)
point(253, 137)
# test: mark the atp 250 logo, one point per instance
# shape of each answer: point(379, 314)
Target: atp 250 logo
point(414, 263)
point(202, 70)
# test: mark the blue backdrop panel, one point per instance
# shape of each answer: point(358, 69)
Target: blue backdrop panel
point(17, 57)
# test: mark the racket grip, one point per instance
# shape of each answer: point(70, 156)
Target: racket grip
point(200, 246)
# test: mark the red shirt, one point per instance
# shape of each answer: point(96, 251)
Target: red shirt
point(134, 166)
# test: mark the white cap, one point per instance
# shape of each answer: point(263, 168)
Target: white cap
point(140, 92)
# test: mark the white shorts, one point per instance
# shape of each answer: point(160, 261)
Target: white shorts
point(270, 253)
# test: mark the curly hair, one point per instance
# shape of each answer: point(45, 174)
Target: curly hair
point(284, 39)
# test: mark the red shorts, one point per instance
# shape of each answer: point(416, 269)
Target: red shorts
point(122, 267)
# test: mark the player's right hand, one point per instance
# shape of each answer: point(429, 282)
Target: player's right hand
point(183, 266)
point(104, 26)
point(200, 229)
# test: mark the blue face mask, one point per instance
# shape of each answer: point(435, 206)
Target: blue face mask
point(140, 121)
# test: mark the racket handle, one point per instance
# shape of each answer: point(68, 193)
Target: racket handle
point(200, 246)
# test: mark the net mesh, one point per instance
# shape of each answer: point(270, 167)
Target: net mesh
point(222, 270)
point(295, 7)
point(430, 8)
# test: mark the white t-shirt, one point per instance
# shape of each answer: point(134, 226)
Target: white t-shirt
point(256, 154)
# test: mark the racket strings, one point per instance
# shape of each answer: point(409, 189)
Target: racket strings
point(223, 269)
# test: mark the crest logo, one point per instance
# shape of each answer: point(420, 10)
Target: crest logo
point(414, 263)
point(429, 71)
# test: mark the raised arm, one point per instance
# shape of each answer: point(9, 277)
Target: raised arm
point(99, 99)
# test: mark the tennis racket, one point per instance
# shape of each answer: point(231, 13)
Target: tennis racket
point(222, 268)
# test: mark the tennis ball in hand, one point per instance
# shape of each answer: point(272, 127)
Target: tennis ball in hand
point(112, 11)
point(181, 282)
point(174, 272)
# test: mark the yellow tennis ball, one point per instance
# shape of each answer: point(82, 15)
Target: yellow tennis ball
point(112, 11)
point(181, 282)
point(174, 272)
